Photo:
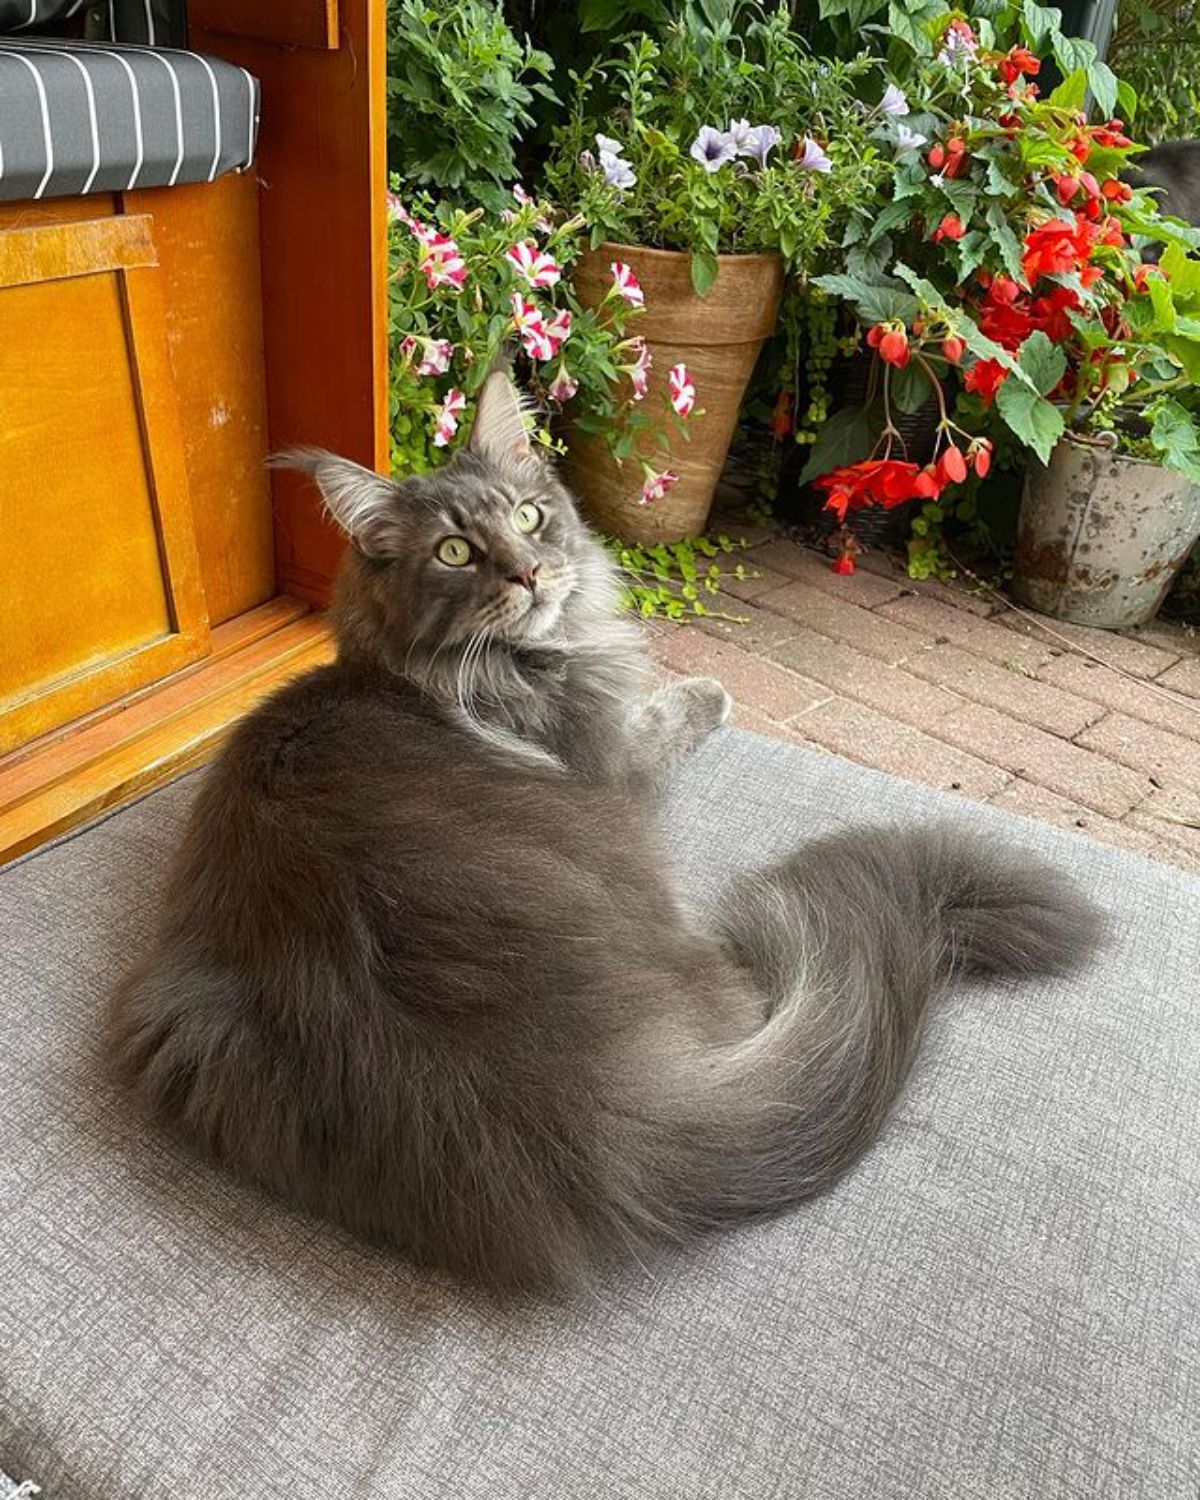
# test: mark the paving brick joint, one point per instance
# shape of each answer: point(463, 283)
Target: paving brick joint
point(1094, 731)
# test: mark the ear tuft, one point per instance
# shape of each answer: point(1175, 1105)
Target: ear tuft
point(358, 499)
point(500, 434)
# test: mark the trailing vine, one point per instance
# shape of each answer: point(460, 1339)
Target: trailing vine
point(673, 580)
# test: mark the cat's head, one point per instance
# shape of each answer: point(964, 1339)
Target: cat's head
point(488, 549)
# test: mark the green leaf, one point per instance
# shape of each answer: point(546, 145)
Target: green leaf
point(998, 184)
point(910, 388)
point(874, 303)
point(905, 26)
point(1007, 242)
point(1127, 100)
point(857, 12)
point(1073, 52)
point(1041, 21)
point(892, 215)
point(972, 250)
point(704, 271)
point(845, 439)
point(1030, 418)
point(1103, 83)
point(1043, 362)
point(1071, 92)
point(1173, 432)
point(1181, 271)
point(925, 290)
point(1186, 352)
point(961, 196)
point(1163, 304)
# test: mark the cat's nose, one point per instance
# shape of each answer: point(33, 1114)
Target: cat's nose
point(526, 577)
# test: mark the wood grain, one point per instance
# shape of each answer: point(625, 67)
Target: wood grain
point(23, 215)
point(206, 235)
point(87, 247)
point(322, 164)
point(295, 23)
point(99, 581)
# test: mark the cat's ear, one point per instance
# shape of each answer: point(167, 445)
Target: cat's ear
point(499, 434)
point(362, 502)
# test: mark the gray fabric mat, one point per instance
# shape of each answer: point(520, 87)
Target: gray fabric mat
point(1001, 1302)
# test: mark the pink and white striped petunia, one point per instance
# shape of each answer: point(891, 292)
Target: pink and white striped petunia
point(539, 268)
point(639, 373)
point(447, 418)
point(657, 485)
point(683, 392)
point(563, 386)
point(627, 284)
point(435, 357)
point(526, 314)
point(537, 343)
point(441, 261)
point(530, 323)
point(559, 328)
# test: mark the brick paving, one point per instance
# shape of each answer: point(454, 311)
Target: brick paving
point(1094, 731)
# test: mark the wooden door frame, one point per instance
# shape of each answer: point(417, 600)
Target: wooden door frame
point(322, 167)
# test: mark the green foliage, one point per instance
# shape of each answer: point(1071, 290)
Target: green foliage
point(1173, 434)
point(713, 65)
point(460, 88)
point(678, 580)
point(1156, 52)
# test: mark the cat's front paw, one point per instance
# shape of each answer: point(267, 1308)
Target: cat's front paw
point(708, 705)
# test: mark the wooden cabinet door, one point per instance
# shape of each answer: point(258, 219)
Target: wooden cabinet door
point(100, 588)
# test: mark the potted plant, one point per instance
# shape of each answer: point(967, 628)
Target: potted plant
point(469, 288)
point(1003, 275)
point(710, 164)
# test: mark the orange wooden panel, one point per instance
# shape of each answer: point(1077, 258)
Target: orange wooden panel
point(322, 164)
point(207, 239)
point(46, 252)
point(99, 584)
point(296, 23)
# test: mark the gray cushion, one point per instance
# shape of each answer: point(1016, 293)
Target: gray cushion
point(1002, 1300)
point(101, 117)
point(23, 15)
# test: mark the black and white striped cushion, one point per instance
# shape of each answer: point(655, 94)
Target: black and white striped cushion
point(84, 117)
point(21, 15)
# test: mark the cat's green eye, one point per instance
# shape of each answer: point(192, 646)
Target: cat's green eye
point(454, 551)
point(527, 516)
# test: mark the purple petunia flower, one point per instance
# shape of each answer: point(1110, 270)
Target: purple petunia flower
point(712, 148)
point(894, 101)
point(906, 139)
point(617, 171)
point(765, 139)
point(812, 158)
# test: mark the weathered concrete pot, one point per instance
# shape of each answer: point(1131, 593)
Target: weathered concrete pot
point(1102, 536)
point(718, 337)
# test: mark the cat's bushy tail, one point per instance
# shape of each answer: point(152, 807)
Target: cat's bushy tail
point(850, 939)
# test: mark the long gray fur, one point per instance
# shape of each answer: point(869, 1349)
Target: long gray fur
point(423, 969)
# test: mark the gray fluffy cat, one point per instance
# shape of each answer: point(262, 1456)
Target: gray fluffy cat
point(423, 969)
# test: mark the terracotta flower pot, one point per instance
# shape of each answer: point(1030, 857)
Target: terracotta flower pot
point(1102, 535)
point(718, 337)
